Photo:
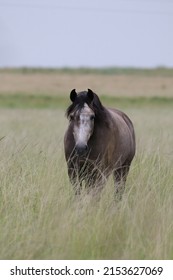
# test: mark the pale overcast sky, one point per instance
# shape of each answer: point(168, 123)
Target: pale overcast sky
point(92, 33)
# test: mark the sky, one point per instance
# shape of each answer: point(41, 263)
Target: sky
point(92, 33)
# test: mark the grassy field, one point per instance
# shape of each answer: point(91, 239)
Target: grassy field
point(40, 218)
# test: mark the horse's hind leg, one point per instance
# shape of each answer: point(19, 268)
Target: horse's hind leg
point(120, 176)
point(74, 180)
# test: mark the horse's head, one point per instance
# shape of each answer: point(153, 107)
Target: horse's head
point(81, 115)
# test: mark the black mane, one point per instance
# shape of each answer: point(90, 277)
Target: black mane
point(95, 105)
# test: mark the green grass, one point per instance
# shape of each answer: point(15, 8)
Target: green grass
point(42, 219)
point(21, 100)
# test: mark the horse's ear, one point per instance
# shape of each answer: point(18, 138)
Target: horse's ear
point(90, 94)
point(73, 95)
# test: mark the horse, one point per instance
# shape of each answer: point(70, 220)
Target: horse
point(98, 142)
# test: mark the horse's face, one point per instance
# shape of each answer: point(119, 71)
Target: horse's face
point(83, 126)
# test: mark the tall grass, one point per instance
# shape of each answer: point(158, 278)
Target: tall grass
point(40, 217)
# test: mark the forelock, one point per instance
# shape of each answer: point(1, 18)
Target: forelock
point(81, 100)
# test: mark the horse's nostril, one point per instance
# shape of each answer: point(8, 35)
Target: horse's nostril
point(86, 148)
point(81, 149)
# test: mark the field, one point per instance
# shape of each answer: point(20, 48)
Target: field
point(40, 217)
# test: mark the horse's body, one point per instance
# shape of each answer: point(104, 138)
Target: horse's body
point(99, 141)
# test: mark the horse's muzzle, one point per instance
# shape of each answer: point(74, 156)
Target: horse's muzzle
point(81, 149)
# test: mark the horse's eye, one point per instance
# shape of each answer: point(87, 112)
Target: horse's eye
point(71, 117)
point(92, 117)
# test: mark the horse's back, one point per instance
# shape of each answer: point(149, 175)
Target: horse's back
point(117, 113)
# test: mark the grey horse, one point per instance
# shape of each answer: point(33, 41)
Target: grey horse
point(99, 141)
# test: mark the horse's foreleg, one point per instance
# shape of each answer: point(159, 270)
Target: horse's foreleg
point(95, 182)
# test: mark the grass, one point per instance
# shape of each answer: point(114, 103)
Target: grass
point(42, 219)
point(33, 101)
point(37, 101)
point(163, 71)
point(59, 83)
